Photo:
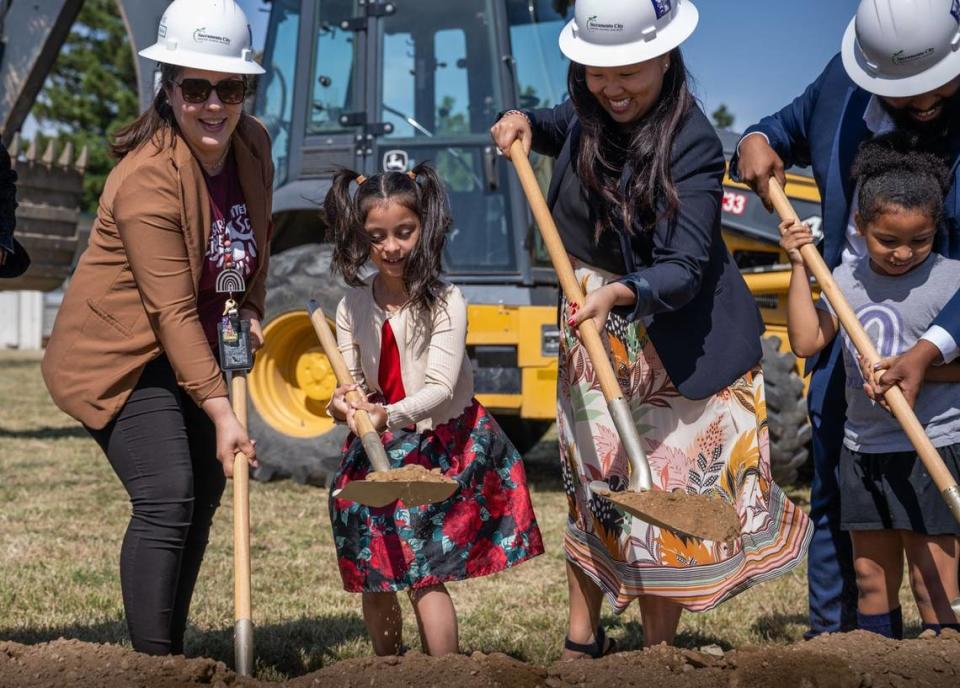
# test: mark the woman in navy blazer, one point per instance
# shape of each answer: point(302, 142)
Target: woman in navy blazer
point(636, 194)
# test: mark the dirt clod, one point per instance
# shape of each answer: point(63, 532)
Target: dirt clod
point(704, 516)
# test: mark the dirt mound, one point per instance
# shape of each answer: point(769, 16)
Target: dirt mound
point(852, 660)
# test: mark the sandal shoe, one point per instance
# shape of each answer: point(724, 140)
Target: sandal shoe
point(600, 647)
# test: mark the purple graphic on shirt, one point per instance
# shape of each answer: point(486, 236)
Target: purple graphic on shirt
point(884, 327)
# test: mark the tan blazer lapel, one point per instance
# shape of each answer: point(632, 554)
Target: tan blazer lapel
point(250, 171)
point(196, 206)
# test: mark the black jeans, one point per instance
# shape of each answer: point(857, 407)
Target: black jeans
point(163, 448)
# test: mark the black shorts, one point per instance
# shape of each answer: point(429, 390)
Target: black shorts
point(893, 490)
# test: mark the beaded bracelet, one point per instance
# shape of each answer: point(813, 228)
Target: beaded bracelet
point(517, 112)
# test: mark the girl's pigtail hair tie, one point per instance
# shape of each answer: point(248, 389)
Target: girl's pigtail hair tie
point(412, 175)
point(360, 179)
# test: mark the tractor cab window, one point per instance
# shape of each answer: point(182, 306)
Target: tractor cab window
point(439, 69)
point(334, 57)
point(274, 106)
point(541, 74)
point(541, 68)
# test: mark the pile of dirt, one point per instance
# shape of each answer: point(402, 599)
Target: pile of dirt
point(410, 472)
point(852, 660)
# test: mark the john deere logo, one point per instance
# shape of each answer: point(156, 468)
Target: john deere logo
point(901, 57)
point(594, 25)
point(201, 36)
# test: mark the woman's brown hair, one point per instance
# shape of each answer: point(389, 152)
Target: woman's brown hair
point(157, 123)
point(647, 146)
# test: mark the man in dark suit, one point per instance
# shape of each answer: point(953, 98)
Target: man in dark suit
point(898, 69)
point(13, 258)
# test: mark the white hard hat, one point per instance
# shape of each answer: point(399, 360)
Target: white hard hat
point(614, 33)
point(902, 48)
point(205, 34)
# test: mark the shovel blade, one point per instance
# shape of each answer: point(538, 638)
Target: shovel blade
point(688, 515)
point(411, 492)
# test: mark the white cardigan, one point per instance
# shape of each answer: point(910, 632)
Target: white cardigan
point(437, 375)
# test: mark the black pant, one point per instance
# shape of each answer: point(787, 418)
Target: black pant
point(163, 448)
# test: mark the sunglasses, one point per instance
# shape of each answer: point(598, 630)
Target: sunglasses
point(229, 91)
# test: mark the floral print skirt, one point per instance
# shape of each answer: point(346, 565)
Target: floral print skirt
point(713, 446)
point(486, 526)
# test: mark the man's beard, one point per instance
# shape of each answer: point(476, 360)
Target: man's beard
point(935, 134)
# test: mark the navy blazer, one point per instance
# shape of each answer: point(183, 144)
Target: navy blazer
point(823, 128)
point(705, 324)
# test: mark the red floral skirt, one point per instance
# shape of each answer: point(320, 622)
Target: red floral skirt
point(488, 524)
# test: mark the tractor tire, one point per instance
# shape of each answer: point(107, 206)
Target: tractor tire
point(787, 419)
point(296, 275)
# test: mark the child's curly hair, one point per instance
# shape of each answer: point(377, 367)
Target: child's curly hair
point(420, 191)
point(892, 171)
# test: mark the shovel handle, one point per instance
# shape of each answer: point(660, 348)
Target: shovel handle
point(589, 334)
point(864, 345)
point(620, 413)
point(369, 436)
point(243, 641)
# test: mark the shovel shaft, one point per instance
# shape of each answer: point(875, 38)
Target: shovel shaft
point(369, 436)
point(243, 641)
point(589, 335)
point(851, 324)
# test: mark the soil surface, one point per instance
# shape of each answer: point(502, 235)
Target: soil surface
point(851, 660)
point(409, 473)
point(702, 516)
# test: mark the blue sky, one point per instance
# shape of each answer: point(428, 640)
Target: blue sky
point(753, 55)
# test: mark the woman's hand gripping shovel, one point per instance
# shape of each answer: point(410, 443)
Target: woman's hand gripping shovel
point(893, 396)
point(700, 516)
point(414, 485)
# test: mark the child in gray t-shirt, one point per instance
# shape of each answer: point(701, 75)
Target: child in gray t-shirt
point(889, 503)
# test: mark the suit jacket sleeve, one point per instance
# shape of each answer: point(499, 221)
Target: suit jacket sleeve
point(787, 130)
point(949, 320)
point(146, 211)
point(681, 246)
point(550, 127)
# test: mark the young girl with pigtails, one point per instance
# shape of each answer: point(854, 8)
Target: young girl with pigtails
point(402, 333)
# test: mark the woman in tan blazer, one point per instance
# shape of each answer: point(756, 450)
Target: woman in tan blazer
point(133, 353)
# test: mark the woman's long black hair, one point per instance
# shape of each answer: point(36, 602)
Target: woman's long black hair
point(647, 146)
point(421, 192)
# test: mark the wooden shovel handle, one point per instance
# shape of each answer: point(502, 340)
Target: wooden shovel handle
point(851, 323)
point(378, 458)
point(241, 505)
point(589, 334)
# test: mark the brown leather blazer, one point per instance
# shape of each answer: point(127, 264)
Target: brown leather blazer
point(133, 295)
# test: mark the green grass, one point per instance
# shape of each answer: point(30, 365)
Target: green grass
point(63, 513)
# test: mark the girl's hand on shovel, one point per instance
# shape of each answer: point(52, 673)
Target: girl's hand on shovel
point(598, 305)
point(377, 413)
point(231, 440)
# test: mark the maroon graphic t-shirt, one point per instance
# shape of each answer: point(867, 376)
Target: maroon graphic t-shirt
point(230, 232)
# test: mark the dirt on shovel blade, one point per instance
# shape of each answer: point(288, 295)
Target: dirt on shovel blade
point(703, 516)
point(409, 473)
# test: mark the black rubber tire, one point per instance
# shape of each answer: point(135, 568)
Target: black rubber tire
point(787, 418)
point(523, 433)
point(297, 275)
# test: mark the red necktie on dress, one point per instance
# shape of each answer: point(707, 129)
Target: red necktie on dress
point(388, 375)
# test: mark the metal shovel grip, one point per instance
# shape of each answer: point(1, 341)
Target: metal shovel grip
point(369, 437)
point(851, 324)
point(589, 335)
